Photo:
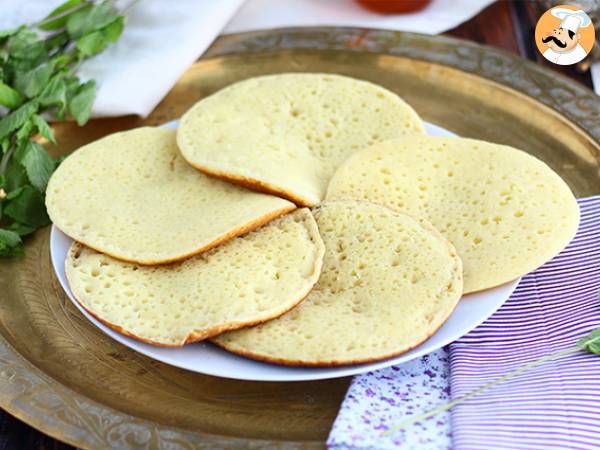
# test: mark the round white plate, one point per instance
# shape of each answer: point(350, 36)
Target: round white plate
point(205, 358)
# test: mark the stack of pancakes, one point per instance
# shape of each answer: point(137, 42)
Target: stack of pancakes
point(301, 219)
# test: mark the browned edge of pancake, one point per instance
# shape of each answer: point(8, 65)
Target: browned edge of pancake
point(333, 362)
point(196, 336)
point(252, 183)
point(248, 227)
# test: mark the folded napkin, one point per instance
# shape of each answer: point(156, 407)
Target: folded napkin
point(555, 405)
point(160, 41)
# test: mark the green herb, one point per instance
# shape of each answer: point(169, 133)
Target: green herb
point(590, 342)
point(38, 65)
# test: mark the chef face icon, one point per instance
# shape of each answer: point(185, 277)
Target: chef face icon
point(561, 40)
point(564, 35)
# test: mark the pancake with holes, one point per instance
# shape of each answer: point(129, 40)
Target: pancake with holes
point(286, 134)
point(388, 283)
point(246, 281)
point(505, 211)
point(131, 195)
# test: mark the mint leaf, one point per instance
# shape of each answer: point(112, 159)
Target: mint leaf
point(37, 163)
point(62, 7)
point(24, 132)
point(9, 237)
point(7, 33)
point(5, 144)
point(55, 92)
point(28, 208)
point(594, 348)
point(9, 97)
point(20, 228)
point(62, 11)
point(17, 118)
point(43, 128)
point(62, 61)
point(10, 243)
point(91, 43)
point(90, 19)
point(57, 42)
point(77, 21)
point(15, 193)
point(33, 82)
point(113, 31)
point(80, 106)
point(591, 342)
point(72, 86)
point(15, 177)
point(26, 45)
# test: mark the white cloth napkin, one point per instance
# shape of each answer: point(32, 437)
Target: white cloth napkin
point(162, 38)
point(160, 41)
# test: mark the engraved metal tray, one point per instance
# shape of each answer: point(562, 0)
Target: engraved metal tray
point(63, 376)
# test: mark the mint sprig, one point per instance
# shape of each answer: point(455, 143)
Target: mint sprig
point(590, 343)
point(38, 65)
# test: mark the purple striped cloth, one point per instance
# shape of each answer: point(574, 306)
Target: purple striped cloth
point(557, 404)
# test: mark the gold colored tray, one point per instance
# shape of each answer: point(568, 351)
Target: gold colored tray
point(63, 376)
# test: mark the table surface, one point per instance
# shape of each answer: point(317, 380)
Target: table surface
point(508, 25)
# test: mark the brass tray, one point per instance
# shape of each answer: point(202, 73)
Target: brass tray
point(63, 376)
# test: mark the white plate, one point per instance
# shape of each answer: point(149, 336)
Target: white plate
point(205, 358)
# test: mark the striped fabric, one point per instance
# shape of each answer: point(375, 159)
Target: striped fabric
point(557, 404)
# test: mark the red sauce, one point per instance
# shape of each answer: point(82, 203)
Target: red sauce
point(394, 6)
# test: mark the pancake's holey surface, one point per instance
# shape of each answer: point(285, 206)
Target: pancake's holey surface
point(388, 283)
point(248, 280)
point(131, 195)
point(505, 211)
point(288, 133)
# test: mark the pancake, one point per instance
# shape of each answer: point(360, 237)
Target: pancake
point(286, 134)
point(388, 283)
point(248, 280)
point(505, 211)
point(131, 195)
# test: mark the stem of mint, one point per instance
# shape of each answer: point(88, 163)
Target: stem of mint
point(590, 342)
